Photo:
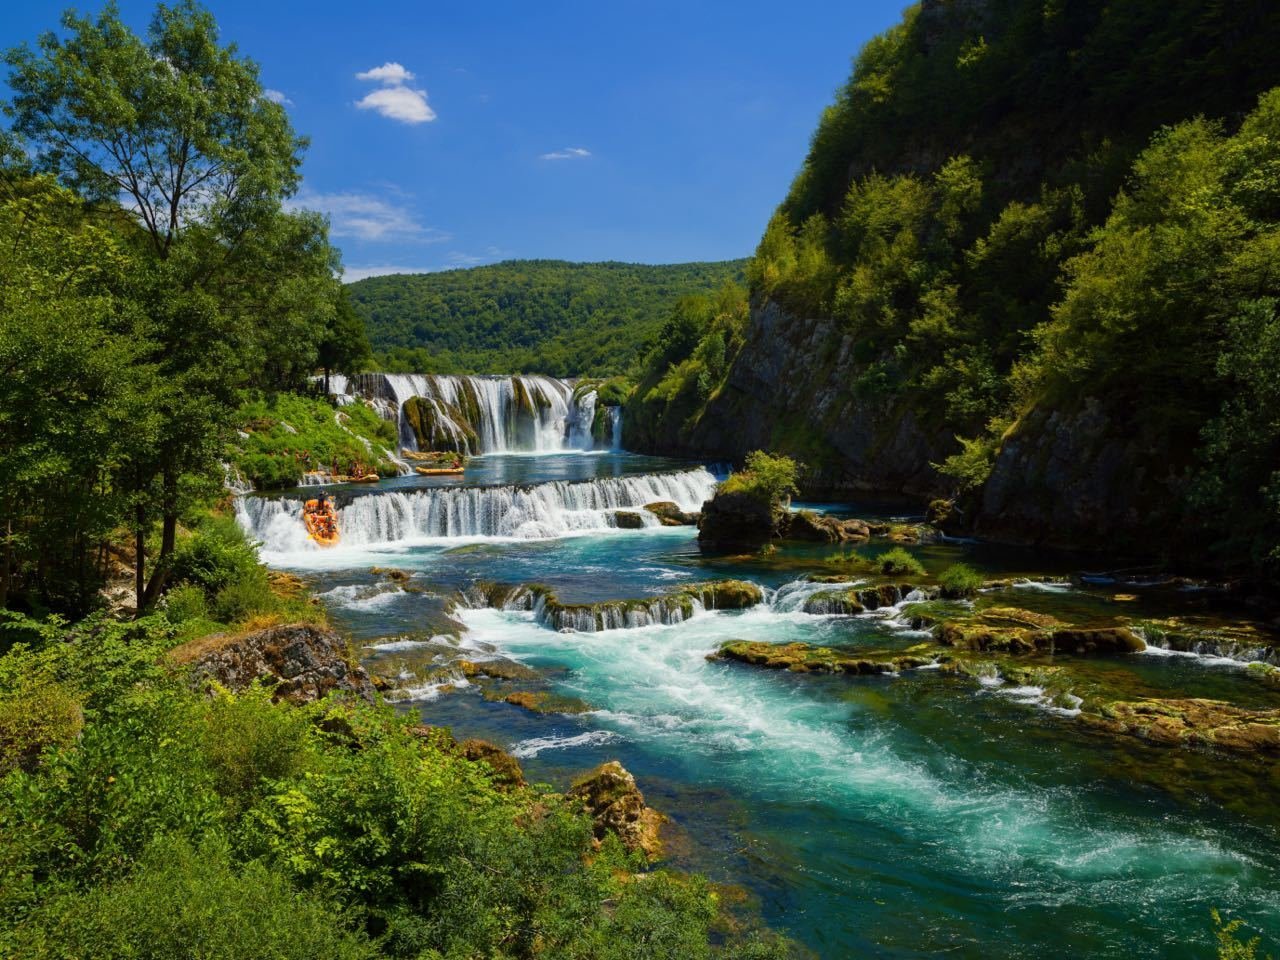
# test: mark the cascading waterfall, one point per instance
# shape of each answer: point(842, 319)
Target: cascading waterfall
point(482, 414)
point(540, 511)
point(615, 428)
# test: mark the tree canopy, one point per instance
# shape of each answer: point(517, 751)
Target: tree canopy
point(527, 316)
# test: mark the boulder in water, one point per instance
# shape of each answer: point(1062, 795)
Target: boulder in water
point(670, 514)
point(1012, 630)
point(300, 661)
point(819, 528)
point(803, 658)
point(734, 520)
point(628, 520)
point(615, 804)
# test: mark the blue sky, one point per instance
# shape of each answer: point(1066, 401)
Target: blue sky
point(658, 132)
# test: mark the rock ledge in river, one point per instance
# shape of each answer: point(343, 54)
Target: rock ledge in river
point(616, 805)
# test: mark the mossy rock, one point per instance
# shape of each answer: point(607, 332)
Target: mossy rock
point(505, 767)
point(1190, 722)
point(542, 701)
point(834, 602)
point(726, 594)
point(803, 658)
point(628, 520)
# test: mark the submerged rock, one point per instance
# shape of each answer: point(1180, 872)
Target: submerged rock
point(1205, 723)
point(615, 804)
point(300, 661)
point(541, 701)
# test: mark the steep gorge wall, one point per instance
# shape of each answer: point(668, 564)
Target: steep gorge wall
point(791, 390)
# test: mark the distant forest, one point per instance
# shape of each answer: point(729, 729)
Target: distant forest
point(528, 316)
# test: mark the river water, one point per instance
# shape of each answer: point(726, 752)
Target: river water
point(907, 815)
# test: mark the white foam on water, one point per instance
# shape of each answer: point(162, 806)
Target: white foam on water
point(364, 597)
point(426, 691)
point(536, 745)
point(398, 520)
point(758, 731)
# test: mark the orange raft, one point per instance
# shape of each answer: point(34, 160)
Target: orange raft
point(321, 521)
point(440, 471)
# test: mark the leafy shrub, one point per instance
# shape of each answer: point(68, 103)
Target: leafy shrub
point(215, 556)
point(960, 580)
point(33, 718)
point(249, 741)
point(768, 478)
point(244, 599)
point(181, 896)
point(185, 604)
point(898, 563)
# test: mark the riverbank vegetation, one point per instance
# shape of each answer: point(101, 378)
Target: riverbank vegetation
point(132, 330)
point(138, 815)
point(527, 316)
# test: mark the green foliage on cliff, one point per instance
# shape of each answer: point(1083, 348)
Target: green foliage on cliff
point(1015, 206)
point(684, 366)
point(527, 316)
point(280, 439)
point(334, 830)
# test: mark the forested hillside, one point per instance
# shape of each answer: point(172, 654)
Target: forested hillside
point(527, 316)
point(1029, 264)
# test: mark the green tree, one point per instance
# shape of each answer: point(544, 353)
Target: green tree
point(178, 125)
point(345, 346)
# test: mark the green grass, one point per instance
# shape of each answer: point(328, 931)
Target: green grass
point(292, 434)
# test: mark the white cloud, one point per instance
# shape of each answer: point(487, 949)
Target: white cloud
point(395, 99)
point(399, 103)
point(366, 217)
point(275, 96)
point(391, 74)
point(568, 153)
point(352, 274)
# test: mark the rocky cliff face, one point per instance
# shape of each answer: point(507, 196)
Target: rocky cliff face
point(1082, 478)
point(791, 391)
point(300, 662)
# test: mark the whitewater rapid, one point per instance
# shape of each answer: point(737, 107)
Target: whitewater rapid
point(537, 511)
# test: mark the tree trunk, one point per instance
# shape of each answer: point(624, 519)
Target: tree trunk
point(168, 538)
point(140, 557)
point(326, 381)
point(7, 567)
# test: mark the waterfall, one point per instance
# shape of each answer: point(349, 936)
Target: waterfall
point(539, 511)
point(481, 414)
point(615, 428)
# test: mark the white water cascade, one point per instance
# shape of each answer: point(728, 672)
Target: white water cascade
point(540, 511)
point(482, 414)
